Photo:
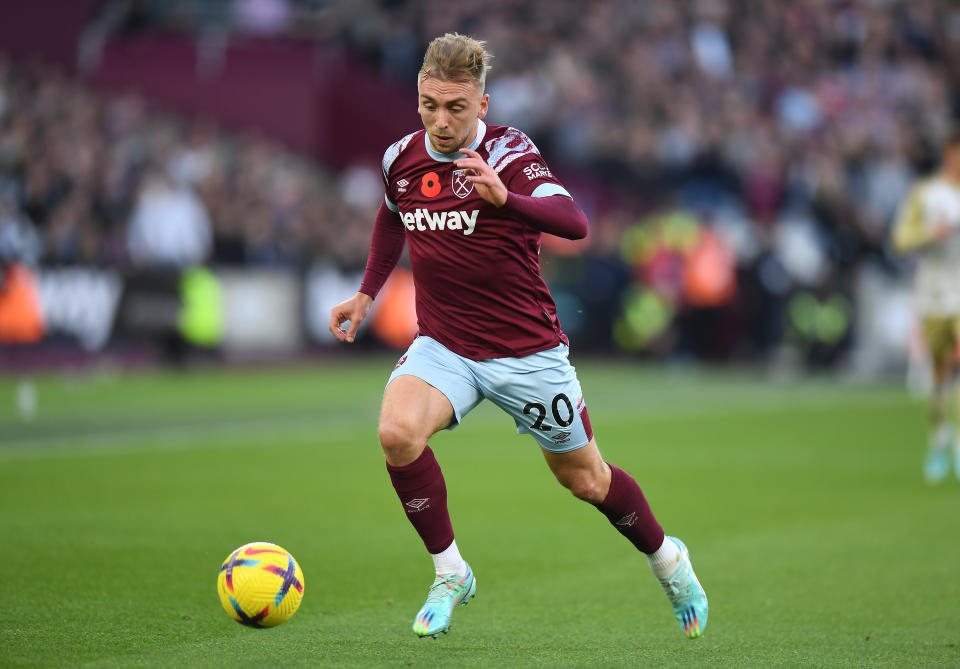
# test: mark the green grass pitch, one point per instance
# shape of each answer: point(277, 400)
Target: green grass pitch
point(802, 504)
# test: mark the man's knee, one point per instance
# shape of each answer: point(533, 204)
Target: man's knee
point(400, 439)
point(585, 484)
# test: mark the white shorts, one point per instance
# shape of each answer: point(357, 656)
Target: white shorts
point(540, 391)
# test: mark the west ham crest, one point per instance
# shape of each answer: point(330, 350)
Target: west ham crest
point(460, 185)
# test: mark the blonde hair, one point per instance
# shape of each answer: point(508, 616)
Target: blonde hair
point(456, 57)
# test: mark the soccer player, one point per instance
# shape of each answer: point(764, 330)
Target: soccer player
point(472, 200)
point(929, 224)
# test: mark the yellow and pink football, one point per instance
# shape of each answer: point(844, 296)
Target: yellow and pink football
point(260, 585)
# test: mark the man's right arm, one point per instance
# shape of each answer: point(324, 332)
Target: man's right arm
point(386, 247)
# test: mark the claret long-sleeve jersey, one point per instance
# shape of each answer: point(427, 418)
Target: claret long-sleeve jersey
point(476, 267)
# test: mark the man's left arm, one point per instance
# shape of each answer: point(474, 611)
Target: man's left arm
point(548, 208)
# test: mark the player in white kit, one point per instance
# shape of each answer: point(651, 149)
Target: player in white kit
point(928, 226)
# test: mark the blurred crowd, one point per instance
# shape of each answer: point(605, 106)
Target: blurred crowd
point(105, 180)
point(763, 143)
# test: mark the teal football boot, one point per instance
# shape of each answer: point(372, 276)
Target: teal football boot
point(686, 595)
point(446, 593)
point(936, 466)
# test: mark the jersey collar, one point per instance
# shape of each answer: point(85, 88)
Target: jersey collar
point(450, 157)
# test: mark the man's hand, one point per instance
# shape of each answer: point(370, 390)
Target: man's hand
point(354, 310)
point(485, 180)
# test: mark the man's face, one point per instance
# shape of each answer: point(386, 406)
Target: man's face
point(449, 111)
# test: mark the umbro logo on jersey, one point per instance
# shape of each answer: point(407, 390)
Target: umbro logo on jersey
point(424, 219)
point(627, 521)
point(417, 504)
point(402, 186)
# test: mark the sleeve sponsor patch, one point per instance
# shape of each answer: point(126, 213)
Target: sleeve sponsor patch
point(537, 171)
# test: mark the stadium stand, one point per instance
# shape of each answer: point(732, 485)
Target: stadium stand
point(783, 134)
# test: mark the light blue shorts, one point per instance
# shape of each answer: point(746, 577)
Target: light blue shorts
point(540, 391)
